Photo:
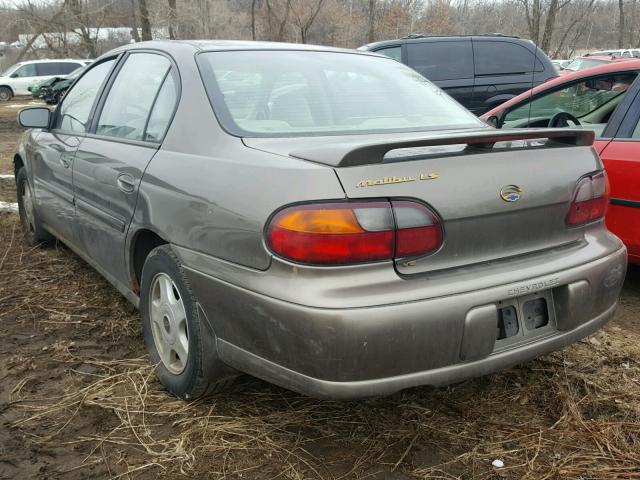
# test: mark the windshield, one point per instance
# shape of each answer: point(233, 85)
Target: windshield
point(583, 64)
point(280, 93)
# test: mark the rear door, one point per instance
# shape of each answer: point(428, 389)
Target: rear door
point(126, 132)
point(503, 69)
point(621, 157)
point(446, 62)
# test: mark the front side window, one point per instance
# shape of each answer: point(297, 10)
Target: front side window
point(25, 71)
point(391, 52)
point(589, 103)
point(285, 93)
point(131, 97)
point(73, 113)
point(502, 58)
point(441, 60)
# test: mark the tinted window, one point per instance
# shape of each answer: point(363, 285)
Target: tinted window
point(131, 97)
point(441, 60)
point(68, 67)
point(499, 58)
point(25, 71)
point(162, 110)
point(279, 93)
point(73, 114)
point(391, 52)
point(49, 68)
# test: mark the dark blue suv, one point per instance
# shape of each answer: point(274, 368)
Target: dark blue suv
point(480, 71)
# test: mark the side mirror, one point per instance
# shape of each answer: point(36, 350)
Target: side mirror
point(492, 121)
point(35, 117)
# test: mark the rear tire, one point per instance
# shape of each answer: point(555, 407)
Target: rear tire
point(33, 231)
point(179, 342)
point(5, 94)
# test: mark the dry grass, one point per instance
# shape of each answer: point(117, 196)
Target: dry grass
point(80, 394)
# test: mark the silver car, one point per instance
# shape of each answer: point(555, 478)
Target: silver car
point(324, 219)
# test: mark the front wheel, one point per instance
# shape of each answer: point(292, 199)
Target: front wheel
point(5, 94)
point(179, 342)
point(34, 233)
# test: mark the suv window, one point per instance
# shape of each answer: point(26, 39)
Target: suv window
point(48, 68)
point(441, 60)
point(68, 67)
point(73, 114)
point(131, 97)
point(28, 70)
point(162, 110)
point(500, 58)
point(391, 52)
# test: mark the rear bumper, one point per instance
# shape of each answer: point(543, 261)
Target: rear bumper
point(366, 351)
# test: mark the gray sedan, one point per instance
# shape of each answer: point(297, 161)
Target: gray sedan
point(324, 219)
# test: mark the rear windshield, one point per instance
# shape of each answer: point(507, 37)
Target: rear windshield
point(286, 93)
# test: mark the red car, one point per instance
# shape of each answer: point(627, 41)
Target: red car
point(605, 99)
point(590, 61)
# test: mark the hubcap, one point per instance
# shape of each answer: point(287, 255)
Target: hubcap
point(27, 204)
point(4, 95)
point(169, 323)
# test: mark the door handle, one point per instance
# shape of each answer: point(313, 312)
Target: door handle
point(65, 160)
point(126, 182)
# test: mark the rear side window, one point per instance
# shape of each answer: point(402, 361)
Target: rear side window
point(49, 68)
point(132, 95)
point(441, 60)
point(391, 52)
point(73, 114)
point(68, 67)
point(501, 58)
point(162, 110)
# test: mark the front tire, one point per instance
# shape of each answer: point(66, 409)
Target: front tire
point(5, 94)
point(179, 343)
point(33, 231)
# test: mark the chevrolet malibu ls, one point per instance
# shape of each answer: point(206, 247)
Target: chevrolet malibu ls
point(324, 219)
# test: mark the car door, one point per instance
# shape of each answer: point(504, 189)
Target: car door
point(53, 159)
point(446, 62)
point(23, 77)
point(503, 70)
point(621, 158)
point(128, 127)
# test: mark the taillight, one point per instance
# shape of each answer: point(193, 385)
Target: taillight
point(590, 200)
point(354, 232)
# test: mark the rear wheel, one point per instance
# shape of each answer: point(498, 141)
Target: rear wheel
point(5, 94)
point(179, 343)
point(34, 233)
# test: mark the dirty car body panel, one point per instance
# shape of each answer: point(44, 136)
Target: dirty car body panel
point(244, 150)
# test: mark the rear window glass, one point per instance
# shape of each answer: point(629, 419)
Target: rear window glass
point(441, 60)
point(284, 93)
point(500, 58)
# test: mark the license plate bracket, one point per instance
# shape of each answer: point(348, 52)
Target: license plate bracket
point(523, 318)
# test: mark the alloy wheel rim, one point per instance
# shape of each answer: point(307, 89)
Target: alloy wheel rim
point(27, 204)
point(169, 323)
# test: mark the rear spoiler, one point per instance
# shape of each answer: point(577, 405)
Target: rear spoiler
point(352, 151)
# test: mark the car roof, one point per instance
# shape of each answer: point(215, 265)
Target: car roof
point(614, 67)
point(497, 37)
point(606, 58)
point(230, 45)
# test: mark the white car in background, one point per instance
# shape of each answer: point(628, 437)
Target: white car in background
point(16, 79)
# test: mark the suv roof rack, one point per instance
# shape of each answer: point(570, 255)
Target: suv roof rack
point(422, 35)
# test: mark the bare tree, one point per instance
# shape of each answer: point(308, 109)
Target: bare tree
point(145, 24)
point(173, 15)
point(620, 24)
point(305, 13)
point(253, 19)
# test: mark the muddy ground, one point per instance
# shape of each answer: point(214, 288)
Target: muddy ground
point(78, 398)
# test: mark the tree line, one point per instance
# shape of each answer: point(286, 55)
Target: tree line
point(562, 28)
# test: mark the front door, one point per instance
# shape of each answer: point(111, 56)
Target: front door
point(126, 133)
point(53, 162)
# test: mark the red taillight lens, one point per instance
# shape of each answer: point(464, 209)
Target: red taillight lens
point(590, 200)
point(347, 233)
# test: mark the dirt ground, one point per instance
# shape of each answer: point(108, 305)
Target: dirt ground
point(78, 398)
